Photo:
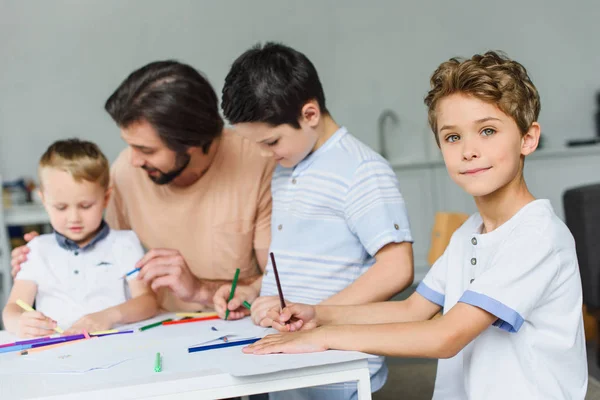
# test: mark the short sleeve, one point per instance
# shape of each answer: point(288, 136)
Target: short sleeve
point(131, 251)
point(115, 216)
point(433, 286)
point(35, 268)
point(513, 285)
point(374, 207)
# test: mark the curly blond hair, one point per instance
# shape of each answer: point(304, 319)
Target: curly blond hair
point(491, 77)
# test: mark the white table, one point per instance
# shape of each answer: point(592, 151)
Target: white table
point(184, 376)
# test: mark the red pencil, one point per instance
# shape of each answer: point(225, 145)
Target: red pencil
point(185, 321)
point(277, 280)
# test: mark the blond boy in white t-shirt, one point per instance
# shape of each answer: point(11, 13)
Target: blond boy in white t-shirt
point(76, 275)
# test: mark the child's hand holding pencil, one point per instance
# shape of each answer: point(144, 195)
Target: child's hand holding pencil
point(294, 317)
point(237, 308)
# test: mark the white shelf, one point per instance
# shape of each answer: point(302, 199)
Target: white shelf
point(563, 152)
point(28, 214)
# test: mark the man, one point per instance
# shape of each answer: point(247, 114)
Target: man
point(197, 195)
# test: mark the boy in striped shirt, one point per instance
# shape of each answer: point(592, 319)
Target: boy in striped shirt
point(340, 230)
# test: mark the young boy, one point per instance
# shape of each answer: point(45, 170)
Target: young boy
point(340, 231)
point(76, 275)
point(508, 282)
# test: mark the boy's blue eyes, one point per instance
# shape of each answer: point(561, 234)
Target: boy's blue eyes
point(453, 138)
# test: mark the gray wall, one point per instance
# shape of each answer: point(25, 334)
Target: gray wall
point(59, 60)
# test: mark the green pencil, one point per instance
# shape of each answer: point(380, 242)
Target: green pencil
point(158, 363)
point(247, 305)
point(233, 285)
point(143, 328)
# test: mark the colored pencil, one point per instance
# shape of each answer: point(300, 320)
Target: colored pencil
point(222, 345)
point(154, 325)
point(232, 292)
point(277, 281)
point(196, 314)
point(27, 307)
point(52, 346)
point(109, 333)
point(185, 321)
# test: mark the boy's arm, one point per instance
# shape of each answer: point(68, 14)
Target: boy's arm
point(392, 273)
point(437, 338)
point(38, 324)
point(141, 306)
point(415, 308)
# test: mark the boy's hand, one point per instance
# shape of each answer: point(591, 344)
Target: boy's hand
point(290, 343)
point(99, 321)
point(35, 324)
point(295, 317)
point(261, 307)
point(19, 254)
point(236, 305)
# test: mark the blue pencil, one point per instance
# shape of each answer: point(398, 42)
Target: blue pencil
point(222, 345)
point(15, 348)
point(133, 271)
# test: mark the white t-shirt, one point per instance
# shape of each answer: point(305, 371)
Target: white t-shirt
point(73, 283)
point(525, 272)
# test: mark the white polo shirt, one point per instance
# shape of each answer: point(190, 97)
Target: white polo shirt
point(525, 272)
point(72, 281)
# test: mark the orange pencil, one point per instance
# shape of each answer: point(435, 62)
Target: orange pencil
point(52, 346)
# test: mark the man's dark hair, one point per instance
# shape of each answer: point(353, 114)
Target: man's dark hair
point(271, 84)
point(175, 99)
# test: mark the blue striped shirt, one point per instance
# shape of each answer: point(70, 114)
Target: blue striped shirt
point(331, 214)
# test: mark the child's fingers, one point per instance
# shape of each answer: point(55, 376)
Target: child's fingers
point(35, 331)
point(30, 235)
point(296, 325)
point(234, 304)
point(285, 315)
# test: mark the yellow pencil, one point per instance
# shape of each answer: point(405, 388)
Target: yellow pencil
point(27, 307)
point(104, 332)
point(196, 314)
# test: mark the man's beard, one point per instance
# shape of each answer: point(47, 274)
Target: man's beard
point(181, 162)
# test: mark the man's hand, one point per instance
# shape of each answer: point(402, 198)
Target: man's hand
point(236, 305)
point(19, 254)
point(166, 268)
